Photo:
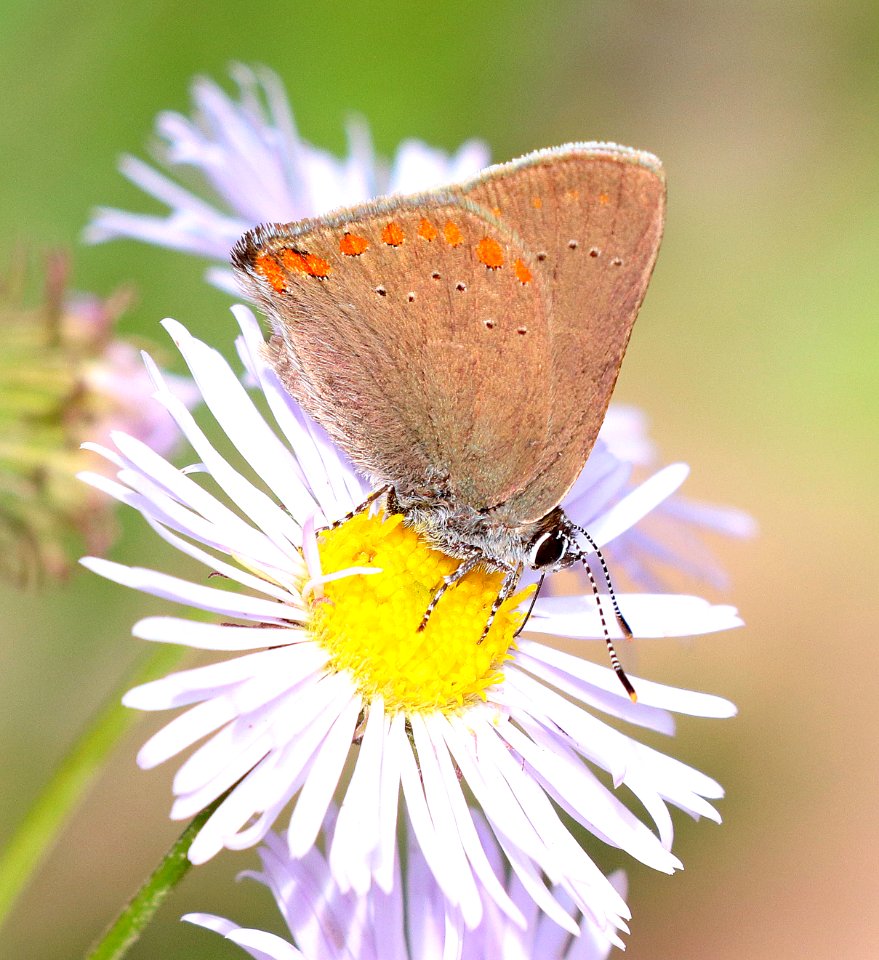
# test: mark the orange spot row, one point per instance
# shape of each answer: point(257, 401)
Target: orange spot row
point(536, 202)
point(427, 230)
point(489, 252)
point(274, 266)
point(452, 233)
point(352, 245)
point(269, 267)
point(308, 263)
point(523, 274)
point(392, 234)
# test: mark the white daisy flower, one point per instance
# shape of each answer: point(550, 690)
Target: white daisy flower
point(247, 155)
point(324, 653)
point(408, 922)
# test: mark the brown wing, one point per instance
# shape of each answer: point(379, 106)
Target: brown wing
point(592, 215)
point(415, 331)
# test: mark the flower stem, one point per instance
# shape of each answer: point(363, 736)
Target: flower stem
point(126, 929)
point(41, 826)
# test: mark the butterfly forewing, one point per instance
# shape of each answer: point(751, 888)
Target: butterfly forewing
point(416, 332)
point(592, 216)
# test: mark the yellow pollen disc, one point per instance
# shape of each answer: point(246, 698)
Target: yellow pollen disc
point(369, 623)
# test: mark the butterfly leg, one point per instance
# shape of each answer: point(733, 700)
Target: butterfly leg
point(359, 509)
point(507, 588)
point(457, 574)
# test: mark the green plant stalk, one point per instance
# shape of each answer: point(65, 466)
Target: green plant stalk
point(126, 929)
point(41, 826)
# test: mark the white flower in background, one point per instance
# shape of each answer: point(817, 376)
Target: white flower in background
point(671, 537)
point(408, 922)
point(324, 652)
point(247, 156)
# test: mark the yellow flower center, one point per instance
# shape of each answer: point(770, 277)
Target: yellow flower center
point(369, 623)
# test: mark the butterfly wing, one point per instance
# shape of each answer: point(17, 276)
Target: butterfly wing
point(592, 216)
point(416, 332)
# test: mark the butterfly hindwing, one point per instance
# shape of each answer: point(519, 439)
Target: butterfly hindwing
point(592, 216)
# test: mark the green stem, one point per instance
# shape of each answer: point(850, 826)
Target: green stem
point(126, 929)
point(41, 826)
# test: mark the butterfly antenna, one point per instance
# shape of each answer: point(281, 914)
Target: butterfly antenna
point(531, 605)
point(614, 659)
point(621, 620)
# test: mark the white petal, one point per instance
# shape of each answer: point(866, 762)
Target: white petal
point(323, 779)
point(264, 946)
point(241, 422)
point(223, 279)
point(230, 530)
point(632, 508)
point(727, 520)
point(396, 742)
point(357, 834)
point(210, 922)
point(213, 636)
point(593, 803)
point(184, 730)
point(282, 667)
point(650, 694)
point(473, 848)
point(279, 526)
point(437, 792)
point(606, 695)
point(292, 573)
point(650, 615)
point(500, 806)
point(238, 605)
point(441, 853)
point(241, 803)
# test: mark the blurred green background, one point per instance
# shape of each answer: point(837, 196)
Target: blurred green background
point(755, 358)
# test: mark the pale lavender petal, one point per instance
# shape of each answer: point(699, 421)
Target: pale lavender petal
point(184, 730)
point(324, 778)
point(726, 520)
point(158, 584)
point(637, 504)
point(649, 616)
point(357, 835)
point(443, 854)
point(236, 414)
point(553, 666)
point(264, 946)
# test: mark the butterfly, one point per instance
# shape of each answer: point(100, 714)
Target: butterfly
point(461, 345)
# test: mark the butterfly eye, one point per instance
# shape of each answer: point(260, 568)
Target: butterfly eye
point(547, 549)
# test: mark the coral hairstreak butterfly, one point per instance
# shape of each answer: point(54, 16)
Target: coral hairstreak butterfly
point(462, 345)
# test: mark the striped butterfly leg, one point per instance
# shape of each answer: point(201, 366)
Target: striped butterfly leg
point(506, 590)
point(457, 574)
point(375, 495)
